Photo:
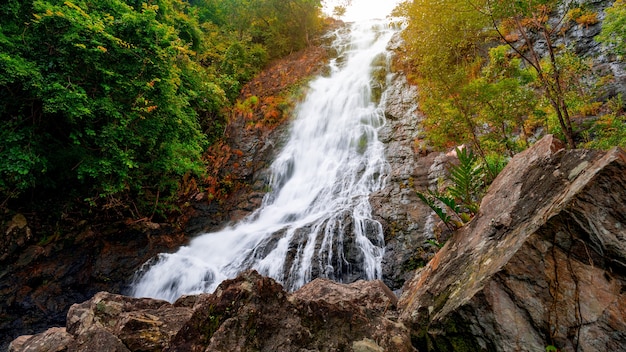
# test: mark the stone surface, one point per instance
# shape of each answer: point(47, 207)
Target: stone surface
point(249, 313)
point(52, 340)
point(581, 39)
point(252, 313)
point(407, 222)
point(543, 263)
point(42, 278)
point(109, 322)
point(139, 324)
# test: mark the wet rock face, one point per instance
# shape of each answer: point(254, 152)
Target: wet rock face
point(407, 222)
point(249, 313)
point(542, 264)
point(581, 39)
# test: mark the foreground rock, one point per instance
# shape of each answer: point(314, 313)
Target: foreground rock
point(41, 278)
point(249, 313)
point(543, 264)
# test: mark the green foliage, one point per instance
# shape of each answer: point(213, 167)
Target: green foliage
point(443, 40)
point(467, 180)
point(607, 132)
point(467, 98)
point(430, 198)
point(613, 31)
point(530, 21)
point(111, 101)
point(491, 97)
point(460, 200)
point(582, 16)
point(279, 26)
point(339, 11)
point(443, 35)
point(107, 132)
point(240, 63)
point(494, 164)
point(435, 243)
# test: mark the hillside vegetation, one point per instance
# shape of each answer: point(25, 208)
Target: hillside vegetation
point(495, 74)
point(111, 103)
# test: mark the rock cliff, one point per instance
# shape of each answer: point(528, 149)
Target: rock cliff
point(407, 222)
point(581, 39)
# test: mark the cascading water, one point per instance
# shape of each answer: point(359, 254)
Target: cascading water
point(316, 221)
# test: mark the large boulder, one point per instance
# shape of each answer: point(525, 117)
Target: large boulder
point(248, 313)
point(542, 264)
point(109, 322)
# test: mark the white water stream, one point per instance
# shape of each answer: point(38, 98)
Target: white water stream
point(316, 221)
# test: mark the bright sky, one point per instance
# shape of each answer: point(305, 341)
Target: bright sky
point(365, 9)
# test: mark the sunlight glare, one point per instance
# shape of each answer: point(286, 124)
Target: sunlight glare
point(364, 9)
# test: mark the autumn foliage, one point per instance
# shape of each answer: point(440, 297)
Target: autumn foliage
point(265, 103)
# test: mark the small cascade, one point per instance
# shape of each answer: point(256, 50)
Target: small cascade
point(316, 220)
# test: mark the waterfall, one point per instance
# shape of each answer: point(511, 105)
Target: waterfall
point(316, 221)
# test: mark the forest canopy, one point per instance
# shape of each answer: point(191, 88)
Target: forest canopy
point(110, 101)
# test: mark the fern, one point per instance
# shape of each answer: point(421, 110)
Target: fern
point(436, 243)
point(467, 178)
point(430, 200)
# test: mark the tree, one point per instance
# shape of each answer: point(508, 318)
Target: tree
point(442, 35)
point(441, 45)
point(445, 45)
point(98, 101)
point(525, 18)
point(506, 98)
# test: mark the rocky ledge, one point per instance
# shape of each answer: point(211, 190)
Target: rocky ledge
point(542, 265)
point(249, 313)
